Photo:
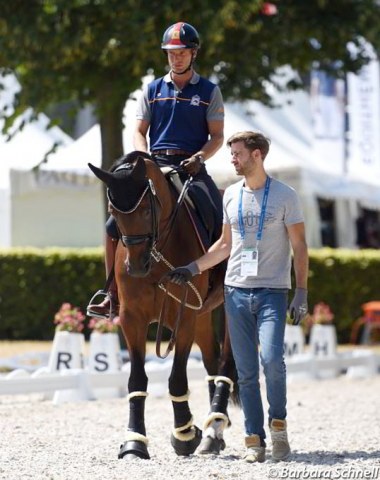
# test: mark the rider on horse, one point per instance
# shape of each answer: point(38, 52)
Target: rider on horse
point(184, 115)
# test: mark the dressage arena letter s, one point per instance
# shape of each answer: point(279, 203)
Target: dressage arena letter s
point(100, 359)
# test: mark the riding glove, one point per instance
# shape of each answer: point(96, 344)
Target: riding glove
point(298, 307)
point(181, 275)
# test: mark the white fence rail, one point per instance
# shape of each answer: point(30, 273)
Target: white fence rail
point(67, 376)
point(83, 384)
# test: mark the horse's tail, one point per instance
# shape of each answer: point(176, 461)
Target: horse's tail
point(227, 366)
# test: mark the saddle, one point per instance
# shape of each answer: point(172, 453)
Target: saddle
point(193, 210)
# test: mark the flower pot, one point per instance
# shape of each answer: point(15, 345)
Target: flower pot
point(323, 344)
point(105, 357)
point(105, 352)
point(323, 340)
point(294, 341)
point(67, 351)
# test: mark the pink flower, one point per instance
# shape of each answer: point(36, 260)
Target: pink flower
point(322, 313)
point(69, 318)
point(104, 325)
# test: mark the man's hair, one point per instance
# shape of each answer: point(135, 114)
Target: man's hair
point(251, 140)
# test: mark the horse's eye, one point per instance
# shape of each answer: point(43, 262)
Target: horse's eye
point(146, 212)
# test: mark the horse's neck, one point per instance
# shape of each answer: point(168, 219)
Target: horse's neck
point(161, 185)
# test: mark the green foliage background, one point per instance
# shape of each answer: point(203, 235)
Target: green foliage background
point(97, 51)
point(34, 283)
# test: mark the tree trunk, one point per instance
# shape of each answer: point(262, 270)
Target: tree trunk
point(111, 132)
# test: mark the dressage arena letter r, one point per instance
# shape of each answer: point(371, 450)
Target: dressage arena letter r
point(64, 358)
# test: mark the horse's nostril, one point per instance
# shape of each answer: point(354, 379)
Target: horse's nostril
point(139, 270)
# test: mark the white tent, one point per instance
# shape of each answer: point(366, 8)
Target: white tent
point(314, 167)
point(24, 151)
point(63, 194)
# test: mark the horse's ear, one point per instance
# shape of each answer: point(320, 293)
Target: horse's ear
point(139, 170)
point(103, 175)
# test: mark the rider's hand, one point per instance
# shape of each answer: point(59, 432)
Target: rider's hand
point(181, 275)
point(192, 165)
point(298, 307)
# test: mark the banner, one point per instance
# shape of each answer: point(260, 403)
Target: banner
point(327, 98)
point(364, 123)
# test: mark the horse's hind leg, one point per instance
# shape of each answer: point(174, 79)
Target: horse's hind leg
point(186, 436)
point(217, 419)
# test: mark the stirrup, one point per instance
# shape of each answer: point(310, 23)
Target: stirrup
point(90, 313)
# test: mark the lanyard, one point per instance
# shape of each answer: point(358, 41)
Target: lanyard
point(262, 214)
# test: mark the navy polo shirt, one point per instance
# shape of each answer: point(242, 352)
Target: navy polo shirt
point(178, 118)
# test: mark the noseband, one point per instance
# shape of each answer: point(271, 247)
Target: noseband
point(151, 237)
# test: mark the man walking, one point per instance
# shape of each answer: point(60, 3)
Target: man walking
point(262, 223)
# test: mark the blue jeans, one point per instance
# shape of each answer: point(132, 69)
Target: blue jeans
point(256, 316)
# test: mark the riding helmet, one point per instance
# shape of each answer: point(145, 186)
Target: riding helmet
point(180, 35)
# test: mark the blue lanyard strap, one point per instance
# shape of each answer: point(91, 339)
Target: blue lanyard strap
point(262, 214)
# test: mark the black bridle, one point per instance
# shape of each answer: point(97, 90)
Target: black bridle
point(151, 237)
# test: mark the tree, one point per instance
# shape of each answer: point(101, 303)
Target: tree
point(97, 51)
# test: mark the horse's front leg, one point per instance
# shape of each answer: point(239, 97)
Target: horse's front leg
point(136, 441)
point(186, 436)
point(220, 385)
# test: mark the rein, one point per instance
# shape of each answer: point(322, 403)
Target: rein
point(162, 315)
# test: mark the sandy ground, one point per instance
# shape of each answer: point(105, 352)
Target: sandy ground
point(334, 430)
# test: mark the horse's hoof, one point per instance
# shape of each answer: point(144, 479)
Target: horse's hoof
point(133, 449)
point(187, 447)
point(211, 446)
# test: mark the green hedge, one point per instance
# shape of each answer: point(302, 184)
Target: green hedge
point(34, 283)
point(344, 279)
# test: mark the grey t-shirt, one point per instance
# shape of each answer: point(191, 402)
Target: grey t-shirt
point(283, 208)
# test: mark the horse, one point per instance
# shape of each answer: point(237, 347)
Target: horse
point(157, 235)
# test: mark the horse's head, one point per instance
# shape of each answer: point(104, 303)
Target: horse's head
point(134, 204)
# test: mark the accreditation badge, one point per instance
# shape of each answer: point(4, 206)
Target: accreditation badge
point(249, 262)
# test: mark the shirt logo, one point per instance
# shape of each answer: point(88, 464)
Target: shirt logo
point(195, 100)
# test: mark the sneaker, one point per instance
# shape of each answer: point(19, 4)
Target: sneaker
point(280, 443)
point(255, 452)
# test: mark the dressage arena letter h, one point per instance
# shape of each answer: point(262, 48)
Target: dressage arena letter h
point(320, 347)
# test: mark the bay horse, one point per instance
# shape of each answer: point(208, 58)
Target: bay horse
point(157, 236)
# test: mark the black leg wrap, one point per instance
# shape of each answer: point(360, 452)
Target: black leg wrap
point(220, 400)
point(134, 449)
point(211, 390)
point(182, 414)
point(186, 447)
point(136, 415)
